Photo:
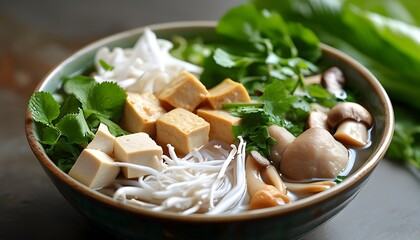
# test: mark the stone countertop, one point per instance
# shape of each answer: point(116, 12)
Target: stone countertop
point(33, 40)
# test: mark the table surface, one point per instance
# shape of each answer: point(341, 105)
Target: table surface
point(33, 40)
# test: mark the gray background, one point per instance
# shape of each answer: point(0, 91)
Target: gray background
point(36, 35)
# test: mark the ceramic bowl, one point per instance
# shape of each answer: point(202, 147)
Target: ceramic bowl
point(286, 222)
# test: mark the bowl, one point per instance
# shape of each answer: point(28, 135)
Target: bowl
point(285, 222)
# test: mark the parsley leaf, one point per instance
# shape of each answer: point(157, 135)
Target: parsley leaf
point(44, 108)
point(64, 130)
point(106, 98)
point(253, 127)
point(50, 135)
point(75, 128)
point(276, 106)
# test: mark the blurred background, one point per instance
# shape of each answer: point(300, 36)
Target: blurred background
point(36, 35)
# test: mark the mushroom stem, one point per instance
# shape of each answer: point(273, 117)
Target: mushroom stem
point(252, 175)
point(314, 79)
point(271, 176)
point(268, 172)
point(351, 121)
point(262, 195)
point(313, 187)
point(352, 133)
point(283, 138)
point(317, 119)
point(261, 160)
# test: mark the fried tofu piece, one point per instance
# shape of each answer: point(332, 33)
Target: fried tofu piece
point(103, 140)
point(227, 91)
point(94, 169)
point(184, 91)
point(140, 113)
point(183, 130)
point(221, 123)
point(138, 148)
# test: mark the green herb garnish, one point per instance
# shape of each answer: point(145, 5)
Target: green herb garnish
point(105, 65)
point(258, 46)
point(64, 130)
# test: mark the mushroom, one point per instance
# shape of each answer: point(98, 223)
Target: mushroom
point(317, 119)
point(318, 116)
point(283, 138)
point(314, 79)
point(313, 187)
point(333, 81)
point(319, 108)
point(313, 154)
point(264, 195)
point(261, 160)
point(351, 122)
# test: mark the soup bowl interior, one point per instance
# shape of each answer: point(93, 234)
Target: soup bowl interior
point(284, 222)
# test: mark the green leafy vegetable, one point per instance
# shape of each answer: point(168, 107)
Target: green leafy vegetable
point(259, 46)
point(194, 51)
point(75, 128)
point(64, 131)
point(365, 35)
point(105, 65)
point(276, 106)
point(44, 108)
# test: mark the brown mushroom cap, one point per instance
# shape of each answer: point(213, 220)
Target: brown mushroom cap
point(348, 110)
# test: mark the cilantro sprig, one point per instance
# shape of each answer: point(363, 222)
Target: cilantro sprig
point(64, 129)
point(276, 106)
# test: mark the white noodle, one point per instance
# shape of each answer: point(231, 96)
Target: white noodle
point(146, 67)
point(209, 180)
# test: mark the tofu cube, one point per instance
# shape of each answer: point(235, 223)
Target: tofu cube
point(137, 148)
point(140, 113)
point(94, 169)
point(184, 91)
point(227, 91)
point(103, 140)
point(183, 130)
point(221, 123)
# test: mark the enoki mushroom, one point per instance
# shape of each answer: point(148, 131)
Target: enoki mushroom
point(210, 180)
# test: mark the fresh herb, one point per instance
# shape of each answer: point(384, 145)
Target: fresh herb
point(65, 129)
point(258, 46)
point(363, 34)
point(193, 50)
point(276, 106)
point(105, 65)
point(339, 179)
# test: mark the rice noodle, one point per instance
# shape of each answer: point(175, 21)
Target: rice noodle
point(146, 67)
point(209, 180)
